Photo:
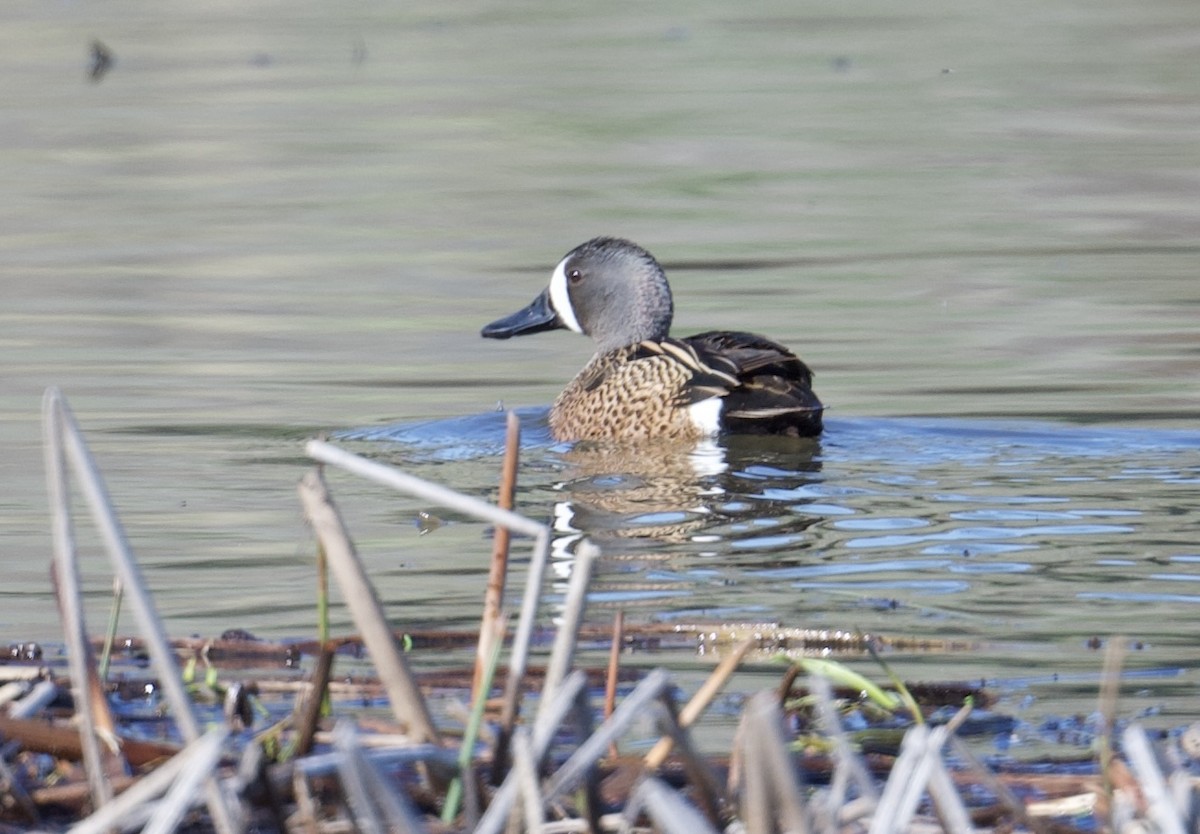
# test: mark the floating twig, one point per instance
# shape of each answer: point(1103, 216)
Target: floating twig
point(37, 735)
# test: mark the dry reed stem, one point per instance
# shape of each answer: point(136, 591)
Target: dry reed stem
point(468, 505)
point(525, 768)
point(947, 803)
point(305, 817)
point(699, 774)
point(377, 804)
point(131, 808)
point(408, 704)
point(363, 813)
point(466, 776)
point(95, 700)
point(179, 799)
point(544, 726)
point(16, 674)
point(308, 713)
point(563, 653)
point(385, 475)
point(1110, 687)
point(666, 809)
point(772, 787)
point(994, 784)
point(117, 545)
point(64, 575)
point(493, 599)
point(34, 701)
point(64, 435)
point(849, 766)
point(1161, 807)
point(614, 670)
point(590, 751)
point(702, 699)
point(920, 755)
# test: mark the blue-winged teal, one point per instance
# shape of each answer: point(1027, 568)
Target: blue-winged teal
point(644, 384)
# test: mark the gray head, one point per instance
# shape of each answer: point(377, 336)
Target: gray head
point(610, 289)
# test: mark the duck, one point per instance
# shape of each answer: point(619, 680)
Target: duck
point(644, 384)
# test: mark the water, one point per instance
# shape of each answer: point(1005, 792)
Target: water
point(977, 223)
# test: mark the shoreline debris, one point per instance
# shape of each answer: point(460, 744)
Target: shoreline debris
point(547, 770)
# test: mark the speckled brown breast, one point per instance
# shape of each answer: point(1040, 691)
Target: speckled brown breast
point(627, 395)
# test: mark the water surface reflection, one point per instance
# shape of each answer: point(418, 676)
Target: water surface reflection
point(939, 528)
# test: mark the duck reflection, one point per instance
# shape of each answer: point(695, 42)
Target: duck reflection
point(654, 500)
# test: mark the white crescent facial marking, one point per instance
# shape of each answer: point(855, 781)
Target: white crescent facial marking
point(560, 299)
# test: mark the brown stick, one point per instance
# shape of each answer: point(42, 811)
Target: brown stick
point(310, 707)
point(74, 796)
point(40, 737)
point(614, 669)
point(493, 600)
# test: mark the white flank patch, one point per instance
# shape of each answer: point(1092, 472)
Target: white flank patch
point(561, 300)
point(706, 415)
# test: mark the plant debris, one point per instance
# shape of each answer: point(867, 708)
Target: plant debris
point(138, 738)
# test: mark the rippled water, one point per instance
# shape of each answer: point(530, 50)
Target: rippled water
point(941, 529)
point(977, 222)
point(1018, 548)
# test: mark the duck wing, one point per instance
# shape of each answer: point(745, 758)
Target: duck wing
point(772, 388)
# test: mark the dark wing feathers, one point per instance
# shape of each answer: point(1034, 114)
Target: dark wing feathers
point(767, 389)
point(773, 391)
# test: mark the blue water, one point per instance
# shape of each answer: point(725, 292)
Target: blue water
point(1031, 543)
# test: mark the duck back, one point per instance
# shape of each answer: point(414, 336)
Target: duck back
point(774, 393)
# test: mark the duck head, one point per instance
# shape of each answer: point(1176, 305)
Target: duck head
point(609, 289)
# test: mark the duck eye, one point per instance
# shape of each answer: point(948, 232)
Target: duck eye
point(574, 276)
